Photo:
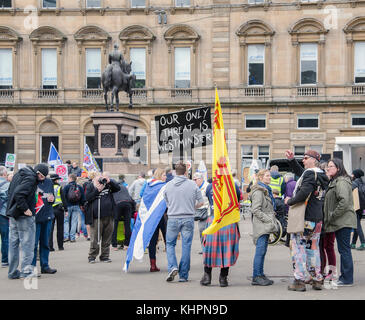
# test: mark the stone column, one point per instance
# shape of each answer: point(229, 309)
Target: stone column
point(96, 137)
point(119, 148)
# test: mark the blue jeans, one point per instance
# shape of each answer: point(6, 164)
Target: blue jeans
point(21, 232)
point(83, 225)
point(4, 232)
point(344, 248)
point(258, 261)
point(73, 214)
point(43, 231)
point(186, 227)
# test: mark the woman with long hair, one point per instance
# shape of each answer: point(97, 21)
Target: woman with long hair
point(340, 217)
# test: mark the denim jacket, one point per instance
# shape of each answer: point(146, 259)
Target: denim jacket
point(4, 186)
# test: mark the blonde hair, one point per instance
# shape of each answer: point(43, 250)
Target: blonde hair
point(261, 173)
point(92, 175)
point(158, 173)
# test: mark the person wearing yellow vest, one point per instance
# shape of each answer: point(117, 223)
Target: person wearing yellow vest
point(277, 180)
point(59, 212)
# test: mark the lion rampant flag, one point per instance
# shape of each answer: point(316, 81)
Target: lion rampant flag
point(226, 209)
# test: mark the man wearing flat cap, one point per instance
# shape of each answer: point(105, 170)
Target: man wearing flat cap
point(304, 246)
point(21, 213)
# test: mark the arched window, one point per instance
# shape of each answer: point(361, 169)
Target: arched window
point(48, 61)
point(48, 133)
point(308, 38)
point(137, 47)
point(355, 40)
point(92, 43)
point(255, 39)
point(182, 43)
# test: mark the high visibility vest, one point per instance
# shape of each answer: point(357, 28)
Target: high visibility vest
point(57, 192)
point(276, 184)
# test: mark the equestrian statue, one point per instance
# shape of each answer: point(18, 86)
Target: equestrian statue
point(116, 77)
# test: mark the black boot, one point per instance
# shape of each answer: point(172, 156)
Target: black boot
point(223, 281)
point(206, 280)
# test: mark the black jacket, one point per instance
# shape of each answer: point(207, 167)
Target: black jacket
point(67, 200)
point(107, 205)
point(314, 210)
point(21, 192)
point(46, 213)
point(123, 197)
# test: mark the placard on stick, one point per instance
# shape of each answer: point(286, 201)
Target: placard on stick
point(184, 130)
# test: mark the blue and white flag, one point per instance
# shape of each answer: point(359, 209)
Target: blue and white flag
point(54, 158)
point(151, 210)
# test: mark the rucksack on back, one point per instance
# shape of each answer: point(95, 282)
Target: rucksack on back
point(362, 196)
point(73, 194)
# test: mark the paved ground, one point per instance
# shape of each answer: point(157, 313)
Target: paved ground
point(76, 279)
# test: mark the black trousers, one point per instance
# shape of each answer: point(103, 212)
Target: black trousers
point(123, 213)
point(153, 242)
point(60, 219)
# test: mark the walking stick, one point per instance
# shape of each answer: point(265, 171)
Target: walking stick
point(99, 220)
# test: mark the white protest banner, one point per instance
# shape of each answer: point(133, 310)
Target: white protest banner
point(62, 171)
point(10, 160)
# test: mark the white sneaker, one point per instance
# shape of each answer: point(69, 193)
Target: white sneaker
point(171, 275)
point(339, 283)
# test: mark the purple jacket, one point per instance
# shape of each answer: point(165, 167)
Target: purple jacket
point(290, 186)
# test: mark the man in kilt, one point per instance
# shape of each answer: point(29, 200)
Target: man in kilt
point(221, 249)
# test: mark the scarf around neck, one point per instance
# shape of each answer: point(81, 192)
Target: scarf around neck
point(268, 188)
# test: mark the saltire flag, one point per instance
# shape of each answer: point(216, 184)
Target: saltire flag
point(89, 162)
point(226, 208)
point(39, 203)
point(53, 157)
point(150, 212)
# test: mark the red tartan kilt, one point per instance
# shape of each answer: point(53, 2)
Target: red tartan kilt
point(221, 249)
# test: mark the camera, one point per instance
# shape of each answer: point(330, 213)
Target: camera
point(103, 181)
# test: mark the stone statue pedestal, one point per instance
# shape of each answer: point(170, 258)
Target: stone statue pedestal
point(115, 134)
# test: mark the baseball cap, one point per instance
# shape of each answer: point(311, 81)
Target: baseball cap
point(313, 154)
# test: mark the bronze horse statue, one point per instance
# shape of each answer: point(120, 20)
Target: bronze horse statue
point(117, 77)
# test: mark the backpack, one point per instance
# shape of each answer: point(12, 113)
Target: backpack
point(73, 194)
point(362, 196)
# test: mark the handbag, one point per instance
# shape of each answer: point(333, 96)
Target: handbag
point(201, 214)
point(355, 195)
point(296, 215)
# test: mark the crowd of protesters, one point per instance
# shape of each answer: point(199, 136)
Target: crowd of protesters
point(31, 205)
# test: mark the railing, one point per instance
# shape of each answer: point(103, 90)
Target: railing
point(92, 93)
point(254, 92)
point(47, 94)
point(358, 90)
point(307, 91)
point(140, 93)
point(181, 93)
point(6, 93)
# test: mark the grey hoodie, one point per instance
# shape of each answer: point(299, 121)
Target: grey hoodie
point(181, 196)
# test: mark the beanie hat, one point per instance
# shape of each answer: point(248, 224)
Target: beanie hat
point(42, 168)
point(313, 154)
point(358, 173)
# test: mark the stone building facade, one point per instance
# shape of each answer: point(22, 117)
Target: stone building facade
point(294, 42)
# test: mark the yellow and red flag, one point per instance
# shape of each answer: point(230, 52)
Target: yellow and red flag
point(226, 208)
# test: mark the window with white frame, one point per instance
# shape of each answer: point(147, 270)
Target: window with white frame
point(308, 63)
point(93, 3)
point(358, 120)
point(246, 155)
point(138, 3)
point(6, 68)
point(256, 64)
point(49, 3)
point(49, 68)
point(182, 67)
point(264, 154)
point(182, 3)
point(5, 4)
point(308, 121)
point(299, 150)
point(255, 121)
point(359, 62)
point(93, 68)
point(138, 59)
